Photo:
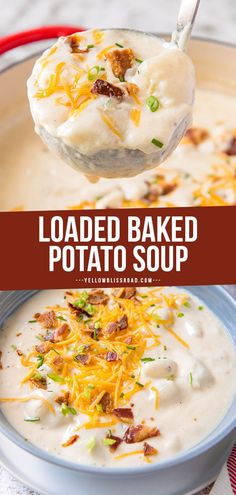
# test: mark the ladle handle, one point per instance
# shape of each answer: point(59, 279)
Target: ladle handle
point(186, 17)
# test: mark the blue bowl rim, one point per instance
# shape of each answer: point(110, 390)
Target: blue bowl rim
point(199, 449)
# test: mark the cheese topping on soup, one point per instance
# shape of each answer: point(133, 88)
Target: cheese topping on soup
point(115, 377)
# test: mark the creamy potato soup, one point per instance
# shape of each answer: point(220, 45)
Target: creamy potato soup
point(201, 171)
point(100, 92)
point(115, 377)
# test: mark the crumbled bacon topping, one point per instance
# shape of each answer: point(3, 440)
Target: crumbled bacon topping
point(19, 352)
point(121, 61)
point(59, 334)
point(148, 449)
point(47, 320)
point(107, 403)
point(117, 442)
point(70, 441)
point(111, 356)
point(82, 358)
point(58, 361)
point(39, 382)
point(110, 329)
point(44, 347)
point(101, 87)
point(123, 322)
point(197, 135)
point(139, 433)
point(231, 150)
point(63, 399)
point(123, 413)
point(98, 296)
point(125, 292)
point(74, 44)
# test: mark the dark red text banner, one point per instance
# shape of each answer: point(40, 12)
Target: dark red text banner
point(173, 246)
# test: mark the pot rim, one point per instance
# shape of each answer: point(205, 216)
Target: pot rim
point(196, 451)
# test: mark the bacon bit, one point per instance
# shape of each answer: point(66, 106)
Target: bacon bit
point(98, 296)
point(82, 358)
point(70, 441)
point(19, 352)
point(77, 311)
point(117, 442)
point(18, 334)
point(63, 399)
point(139, 433)
point(1, 367)
point(197, 135)
point(231, 150)
point(39, 382)
point(123, 322)
point(58, 361)
point(148, 449)
point(125, 292)
point(36, 316)
point(123, 413)
point(128, 340)
point(101, 87)
point(121, 61)
point(44, 347)
point(106, 403)
point(47, 320)
point(110, 329)
point(168, 188)
point(74, 45)
point(111, 356)
point(58, 335)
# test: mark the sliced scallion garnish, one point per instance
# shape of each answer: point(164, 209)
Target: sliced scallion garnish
point(152, 103)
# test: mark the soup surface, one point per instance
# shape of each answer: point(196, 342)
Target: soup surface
point(115, 377)
point(201, 171)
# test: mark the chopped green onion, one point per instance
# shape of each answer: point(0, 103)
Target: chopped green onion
point(91, 444)
point(13, 346)
point(40, 359)
point(61, 318)
point(139, 384)
point(40, 337)
point(65, 410)
point(122, 79)
point(94, 72)
point(32, 420)
point(191, 378)
point(122, 395)
point(119, 45)
point(180, 315)
point(147, 359)
point(132, 347)
point(108, 441)
point(99, 408)
point(200, 308)
point(55, 378)
point(55, 351)
point(90, 46)
point(32, 321)
point(187, 304)
point(157, 143)
point(139, 60)
point(152, 103)
point(165, 348)
point(80, 303)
